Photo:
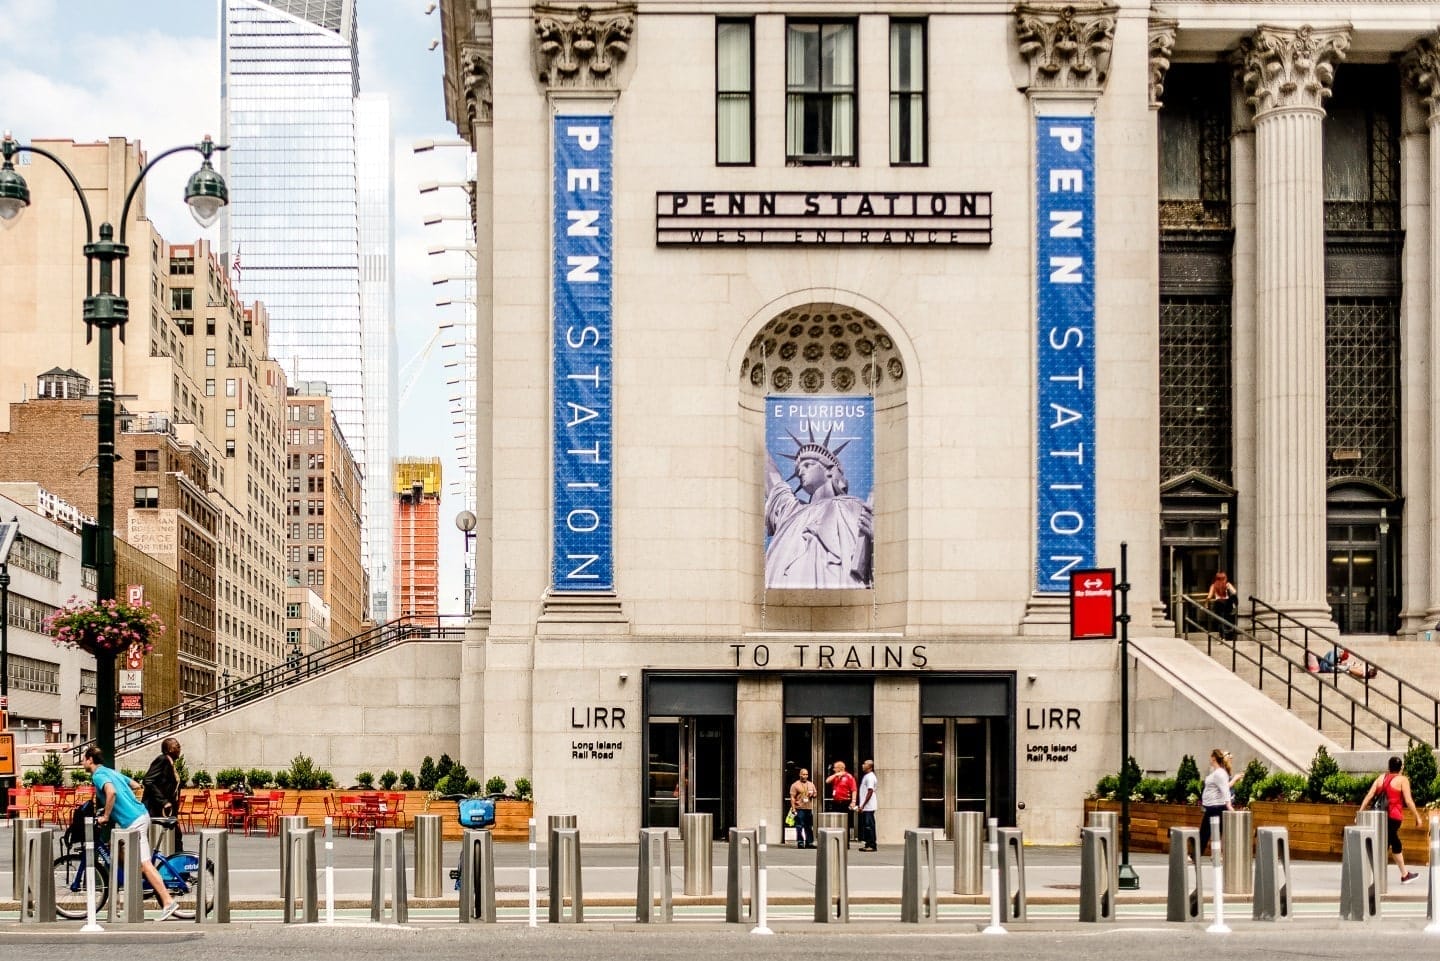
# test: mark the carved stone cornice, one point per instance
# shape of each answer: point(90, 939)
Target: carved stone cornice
point(1421, 69)
point(476, 63)
point(1067, 45)
point(581, 47)
point(1291, 66)
point(1162, 42)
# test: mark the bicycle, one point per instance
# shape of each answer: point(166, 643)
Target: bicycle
point(179, 872)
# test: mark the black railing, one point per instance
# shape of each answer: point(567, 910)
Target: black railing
point(247, 690)
point(1296, 663)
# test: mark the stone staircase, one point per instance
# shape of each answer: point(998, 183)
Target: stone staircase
point(1399, 697)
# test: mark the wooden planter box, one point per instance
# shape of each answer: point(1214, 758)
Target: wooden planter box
point(512, 818)
point(1316, 831)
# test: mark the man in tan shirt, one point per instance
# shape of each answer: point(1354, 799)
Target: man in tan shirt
point(802, 801)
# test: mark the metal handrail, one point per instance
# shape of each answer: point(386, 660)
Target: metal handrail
point(262, 684)
point(1301, 682)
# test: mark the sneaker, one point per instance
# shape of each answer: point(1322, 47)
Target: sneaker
point(169, 910)
point(1409, 877)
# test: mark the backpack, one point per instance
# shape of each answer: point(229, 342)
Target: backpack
point(477, 812)
point(1382, 797)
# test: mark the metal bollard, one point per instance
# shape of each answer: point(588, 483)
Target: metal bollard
point(125, 862)
point(284, 825)
point(698, 830)
point(919, 898)
point(1272, 875)
point(1359, 886)
point(387, 871)
point(655, 857)
point(37, 884)
point(838, 820)
point(162, 839)
point(17, 847)
point(969, 830)
point(565, 876)
point(297, 885)
point(428, 852)
point(551, 823)
point(1099, 874)
point(1432, 878)
point(1104, 819)
point(832, 876)
point(1186, 898)
point(477, 876)
point(1012, 872)
point(1379, 823)
point(213, 848)
point(1238, 872)
point(744, 861)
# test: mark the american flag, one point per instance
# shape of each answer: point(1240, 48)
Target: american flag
point(235, 267)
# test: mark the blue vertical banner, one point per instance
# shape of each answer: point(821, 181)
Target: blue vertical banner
point(1065, 355)
point(583, 552)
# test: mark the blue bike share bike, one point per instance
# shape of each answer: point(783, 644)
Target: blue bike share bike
point(180, 872)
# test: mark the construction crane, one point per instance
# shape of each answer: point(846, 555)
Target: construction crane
point(411, 370)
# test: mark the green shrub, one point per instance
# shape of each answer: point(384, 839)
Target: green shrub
point(495, 785)
point(79, 776)
point(182, 770)
point(445, 766)
point(1130, 775)
point(365, 779)
point(428, 776)
point(1153, 789)
point(282, 779)
point(523, 790)
point(1255, 772)
point(51, 772)
point(259, 777)
point(324, 780)
point(388, 779)
point(1420, 768)
point(134, 774)
point(407, 781)
point(1321, 767)
point(1345, 788)
point(1281, 787)
point(1184, 775)
point(472, 787)
point(305, 776)
point(202, 779)
point(230, 777)
point(1107, 788)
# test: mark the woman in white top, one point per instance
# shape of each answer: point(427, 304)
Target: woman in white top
point(1215, 795)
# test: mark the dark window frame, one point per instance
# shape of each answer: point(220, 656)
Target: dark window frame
point(851, 159)
point(749, 92)
point(924, 24)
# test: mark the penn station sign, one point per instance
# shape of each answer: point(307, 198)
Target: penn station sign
point(937, 218)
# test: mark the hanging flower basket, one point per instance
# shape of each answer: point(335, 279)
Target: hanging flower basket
point(105, 627)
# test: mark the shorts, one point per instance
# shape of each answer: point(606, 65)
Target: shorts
point(1395, 835)
point(143, 824)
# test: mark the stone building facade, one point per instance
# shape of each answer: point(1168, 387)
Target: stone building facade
point(1153, 275)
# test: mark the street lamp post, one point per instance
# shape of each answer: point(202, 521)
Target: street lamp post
point(105, 311)
point(466, 520)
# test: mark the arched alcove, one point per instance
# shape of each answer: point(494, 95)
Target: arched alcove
point(812, 351)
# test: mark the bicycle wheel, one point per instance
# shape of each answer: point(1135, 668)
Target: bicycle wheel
point(181, 874)
point(69, 870)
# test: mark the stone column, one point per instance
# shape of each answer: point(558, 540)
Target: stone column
point(1242, 335)
point(1162, 43)
point(1422, 579)
point(1067, 47)
point(1287, 75)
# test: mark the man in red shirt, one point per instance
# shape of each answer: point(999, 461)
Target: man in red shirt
point(842, 788)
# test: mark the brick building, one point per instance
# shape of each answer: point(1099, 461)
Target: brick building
point(416, 492)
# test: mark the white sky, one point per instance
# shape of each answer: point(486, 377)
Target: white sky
point(149, 70)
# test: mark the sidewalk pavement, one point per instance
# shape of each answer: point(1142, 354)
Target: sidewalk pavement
point(610, 872)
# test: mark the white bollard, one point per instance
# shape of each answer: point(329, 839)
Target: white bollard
point(1219, 927)
point(760, 913)
point(553, 891)
point(1434, 880)
point(329, 870)
point(91, 925)
point(995, 927)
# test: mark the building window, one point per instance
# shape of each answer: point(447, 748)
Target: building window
point(907, 92)
point(311, 413)
point(230, 448)
point(147, 460)
point(182, 298)
point(229, 386)
point(230, 417)
point(147, 497)
point(210, 387)
point(292, 636)
point(734, 92)
point(36, 558)
point(30, 674)
point(209, 356)
point(820, 93)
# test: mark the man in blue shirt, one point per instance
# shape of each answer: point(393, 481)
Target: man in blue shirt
point(115, 798)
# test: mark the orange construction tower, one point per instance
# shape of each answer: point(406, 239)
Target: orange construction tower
point(416, 588)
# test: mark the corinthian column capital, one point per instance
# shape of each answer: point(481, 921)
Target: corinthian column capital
point(1421, 68)
point(1066, 44)
point(1291, 67)
point(581, 47)
point(1162, 41)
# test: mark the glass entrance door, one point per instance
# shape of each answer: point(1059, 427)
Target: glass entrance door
point(690, 768)
point(959, 763)
point(1353, 578)
point(816, 743)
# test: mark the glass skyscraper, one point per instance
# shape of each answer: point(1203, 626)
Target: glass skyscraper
point(299, 235)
